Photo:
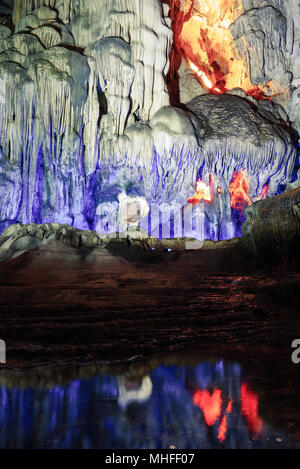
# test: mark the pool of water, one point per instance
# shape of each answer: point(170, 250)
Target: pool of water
point(203, 405)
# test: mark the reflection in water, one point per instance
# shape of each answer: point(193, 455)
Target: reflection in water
point(134, 390)
point(210, 405)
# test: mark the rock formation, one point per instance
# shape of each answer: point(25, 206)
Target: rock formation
point(85, 115)
point(272, 229)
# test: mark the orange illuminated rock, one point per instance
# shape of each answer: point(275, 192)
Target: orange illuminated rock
point(204, 192)
point(203, 38)
point(239, 191)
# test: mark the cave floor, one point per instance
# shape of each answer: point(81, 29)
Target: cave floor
point(62, 305)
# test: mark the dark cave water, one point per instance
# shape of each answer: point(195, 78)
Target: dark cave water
point(201, 406)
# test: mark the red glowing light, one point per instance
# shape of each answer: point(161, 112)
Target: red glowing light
point(229, 407)
point(238, 188)
point(202, 36)
point(239, 191)
point(204, 192)
point(264, 192)
point(210, 404)
point(222, 429)
point(249, 408)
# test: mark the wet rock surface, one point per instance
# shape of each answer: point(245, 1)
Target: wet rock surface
point(61, 304)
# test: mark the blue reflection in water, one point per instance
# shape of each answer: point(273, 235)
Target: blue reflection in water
point(210, 405)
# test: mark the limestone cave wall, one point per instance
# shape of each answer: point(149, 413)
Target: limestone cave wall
point(85, 115)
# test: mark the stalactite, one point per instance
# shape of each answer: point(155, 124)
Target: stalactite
point(84, 99)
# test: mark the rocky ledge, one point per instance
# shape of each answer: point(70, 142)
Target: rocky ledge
point(271, 232)
point(18, 239)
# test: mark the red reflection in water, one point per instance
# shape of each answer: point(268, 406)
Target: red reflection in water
point(211, 405)
point(222, 429)
point(249, 408)
point(229, 407)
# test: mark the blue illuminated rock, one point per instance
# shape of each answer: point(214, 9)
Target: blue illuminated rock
point(85, 116)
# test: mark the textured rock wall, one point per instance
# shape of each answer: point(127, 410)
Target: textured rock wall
point(272, 229)
point(267, 36)
point(60, 100)
point(85, 117)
